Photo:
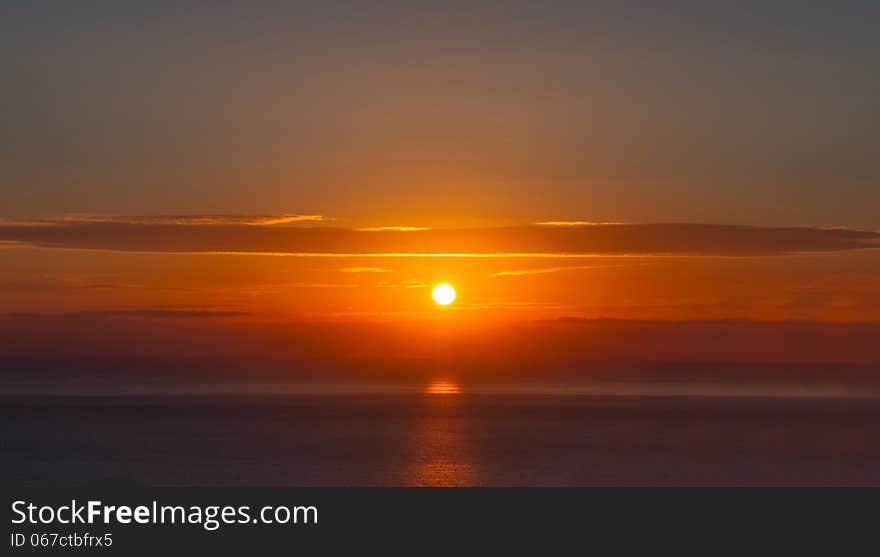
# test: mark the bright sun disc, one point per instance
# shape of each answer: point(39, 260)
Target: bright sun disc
point(443, 294)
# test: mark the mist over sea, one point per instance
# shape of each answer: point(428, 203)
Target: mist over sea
point(440, 437)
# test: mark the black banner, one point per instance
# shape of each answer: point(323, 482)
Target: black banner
point(221, 521)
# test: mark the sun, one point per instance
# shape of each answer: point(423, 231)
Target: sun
point(443, 294)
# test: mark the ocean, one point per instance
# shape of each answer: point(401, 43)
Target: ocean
point(442, 438)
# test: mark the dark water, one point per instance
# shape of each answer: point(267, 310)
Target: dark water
point(439, 439)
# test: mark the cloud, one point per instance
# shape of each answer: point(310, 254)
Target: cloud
point(164, 220)
point(406, 283)
point(365, 270)
point(83, 282)
point(545, 270)
point(574, 223)
point(393, 229)
point(320, 285)
point(163, 313)
point(514, 305)
point(676, 240)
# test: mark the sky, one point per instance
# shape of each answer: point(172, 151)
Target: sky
point(444, 113)
point(264, 181)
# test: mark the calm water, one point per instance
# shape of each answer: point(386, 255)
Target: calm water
point(438, 439)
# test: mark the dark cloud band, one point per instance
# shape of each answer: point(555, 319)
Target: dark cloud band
point(594, 239)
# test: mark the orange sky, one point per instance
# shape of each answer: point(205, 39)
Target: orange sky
point(181, 179)
point(93, 304)
point(633, 273)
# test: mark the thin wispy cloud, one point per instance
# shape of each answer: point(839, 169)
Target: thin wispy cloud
point(189, 220)
point(575, 223)
point(547, 270)
point(406, 283)
point(393, 229)
point(365, 270)
point(86, 282)
point(515, 305)
point(151, 313)
point(320, 285)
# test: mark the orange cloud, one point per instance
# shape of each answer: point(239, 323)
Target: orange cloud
point(393, 229)
point(545, 270)
point(365, 270)
point(406, 283)
point(194, 220)
point(574, 223)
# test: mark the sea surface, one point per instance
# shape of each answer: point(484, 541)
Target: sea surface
point(442, 438)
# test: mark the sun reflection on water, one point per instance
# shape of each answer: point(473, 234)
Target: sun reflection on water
point(442, 388)
point(441, 444)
